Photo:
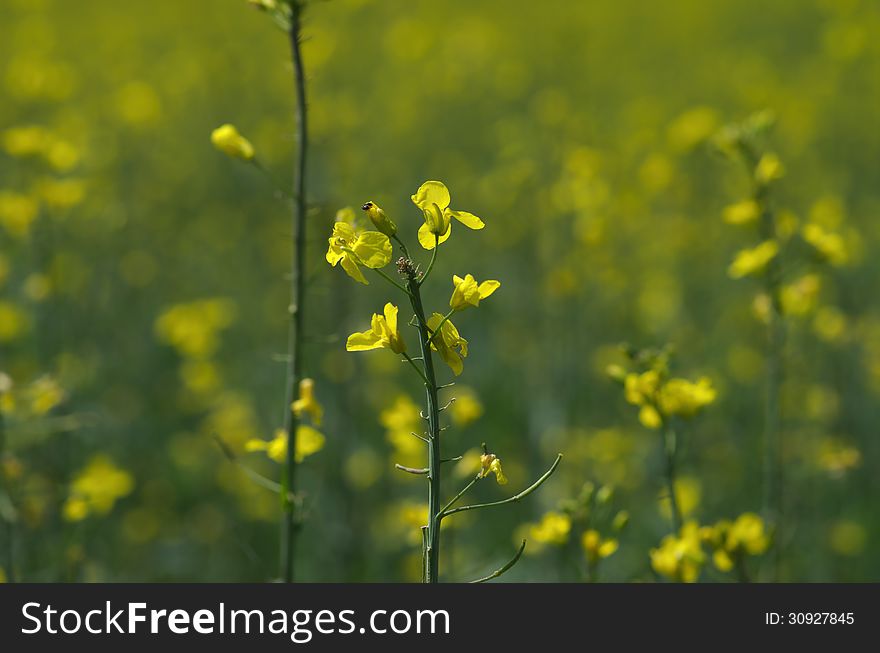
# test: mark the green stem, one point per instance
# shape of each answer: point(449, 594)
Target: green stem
point(432, 536)
point(516, 497)
point(498, 572)
point(433, 258)
point(289, 526)
point(458, 496)
point(773, 436)
point(402, 246)
point(7, 511)
point(669, 450)
point(391, 281)
point(415, 367)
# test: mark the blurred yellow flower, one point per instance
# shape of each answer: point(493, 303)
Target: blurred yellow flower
point(744, 212)
point(371, 249)
point(680, 557)
point(466, 408)
point(433, 199)
point(468, 293)
point(449, 344)
point(17, 212)
point(14, 322)
point(688, 494)
point(800, 296)
point(847, 537)
point(96, 488)
point(379, 219)
point(308, 441)
point(829, 246)
point(733, 540)
point(769, 169)
point(26, 140)
point(44, 394)
point(307, 403)
point(686, 398)
point(383, 333)
point(553, 528)
point(753, 261)
point(227, 139)
point(596, 547)
point(193, 328)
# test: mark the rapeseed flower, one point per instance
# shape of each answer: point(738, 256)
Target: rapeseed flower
point(468, 292)
point(491, 464)
point(307, 403)
point(379, 219)
point(449, 344)
point(753, 261)
point(383, 333)
point(308, 441)
point(372, 249)
point(680, 557)
point(433, 199)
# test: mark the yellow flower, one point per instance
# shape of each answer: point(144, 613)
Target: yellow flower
point(753, 261)
point(383, 333)
point(433, 199)
point(448, 342)
point(227, 139)
point(491, 464)
point(596, 547)
point(468, 293)
point(769, 169)
point(744, 212)
point(371, 249)
point(641, 388)
point(829, 245)
point(650, 417)
point(17, 212)
point(730, 541)
point(800, 296)
point(306, 403)
point(553, 528)
point(466, 408)
point(378, 217)
point(44, 395)
point(685, 398)
point(96, 488)
point(193, 328)
point(680, 557)
point(308, 441)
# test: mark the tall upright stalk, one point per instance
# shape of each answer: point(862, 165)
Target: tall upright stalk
point(432, 535)
point(773, 444)
point(669, 450)
point(290, 518)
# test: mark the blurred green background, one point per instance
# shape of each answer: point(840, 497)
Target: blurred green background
point(143, 292)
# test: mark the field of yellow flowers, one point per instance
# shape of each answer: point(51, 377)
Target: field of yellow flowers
point(663, 225)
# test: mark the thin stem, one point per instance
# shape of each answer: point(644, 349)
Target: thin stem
point(289, 525)
point(433, 258)
point(458, 496)
point(773, 436)
point(402, 246)
point(391, 281)
point(7, 512)
point(515, 498)
point(669, 449)
point(415, 367)
point(432, 535)
point(271, 179)
point(498, 572)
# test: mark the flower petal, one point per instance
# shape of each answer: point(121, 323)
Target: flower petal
point(373, 249)
point(426, 238)
point(308, 441)
point(363, 341)
point(391, 311)
point(353, 270)
point(488, 287)
point(431, 192)
point(469, 220)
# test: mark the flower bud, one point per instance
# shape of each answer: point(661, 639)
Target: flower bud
point(381, 221)
point(227, 139)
